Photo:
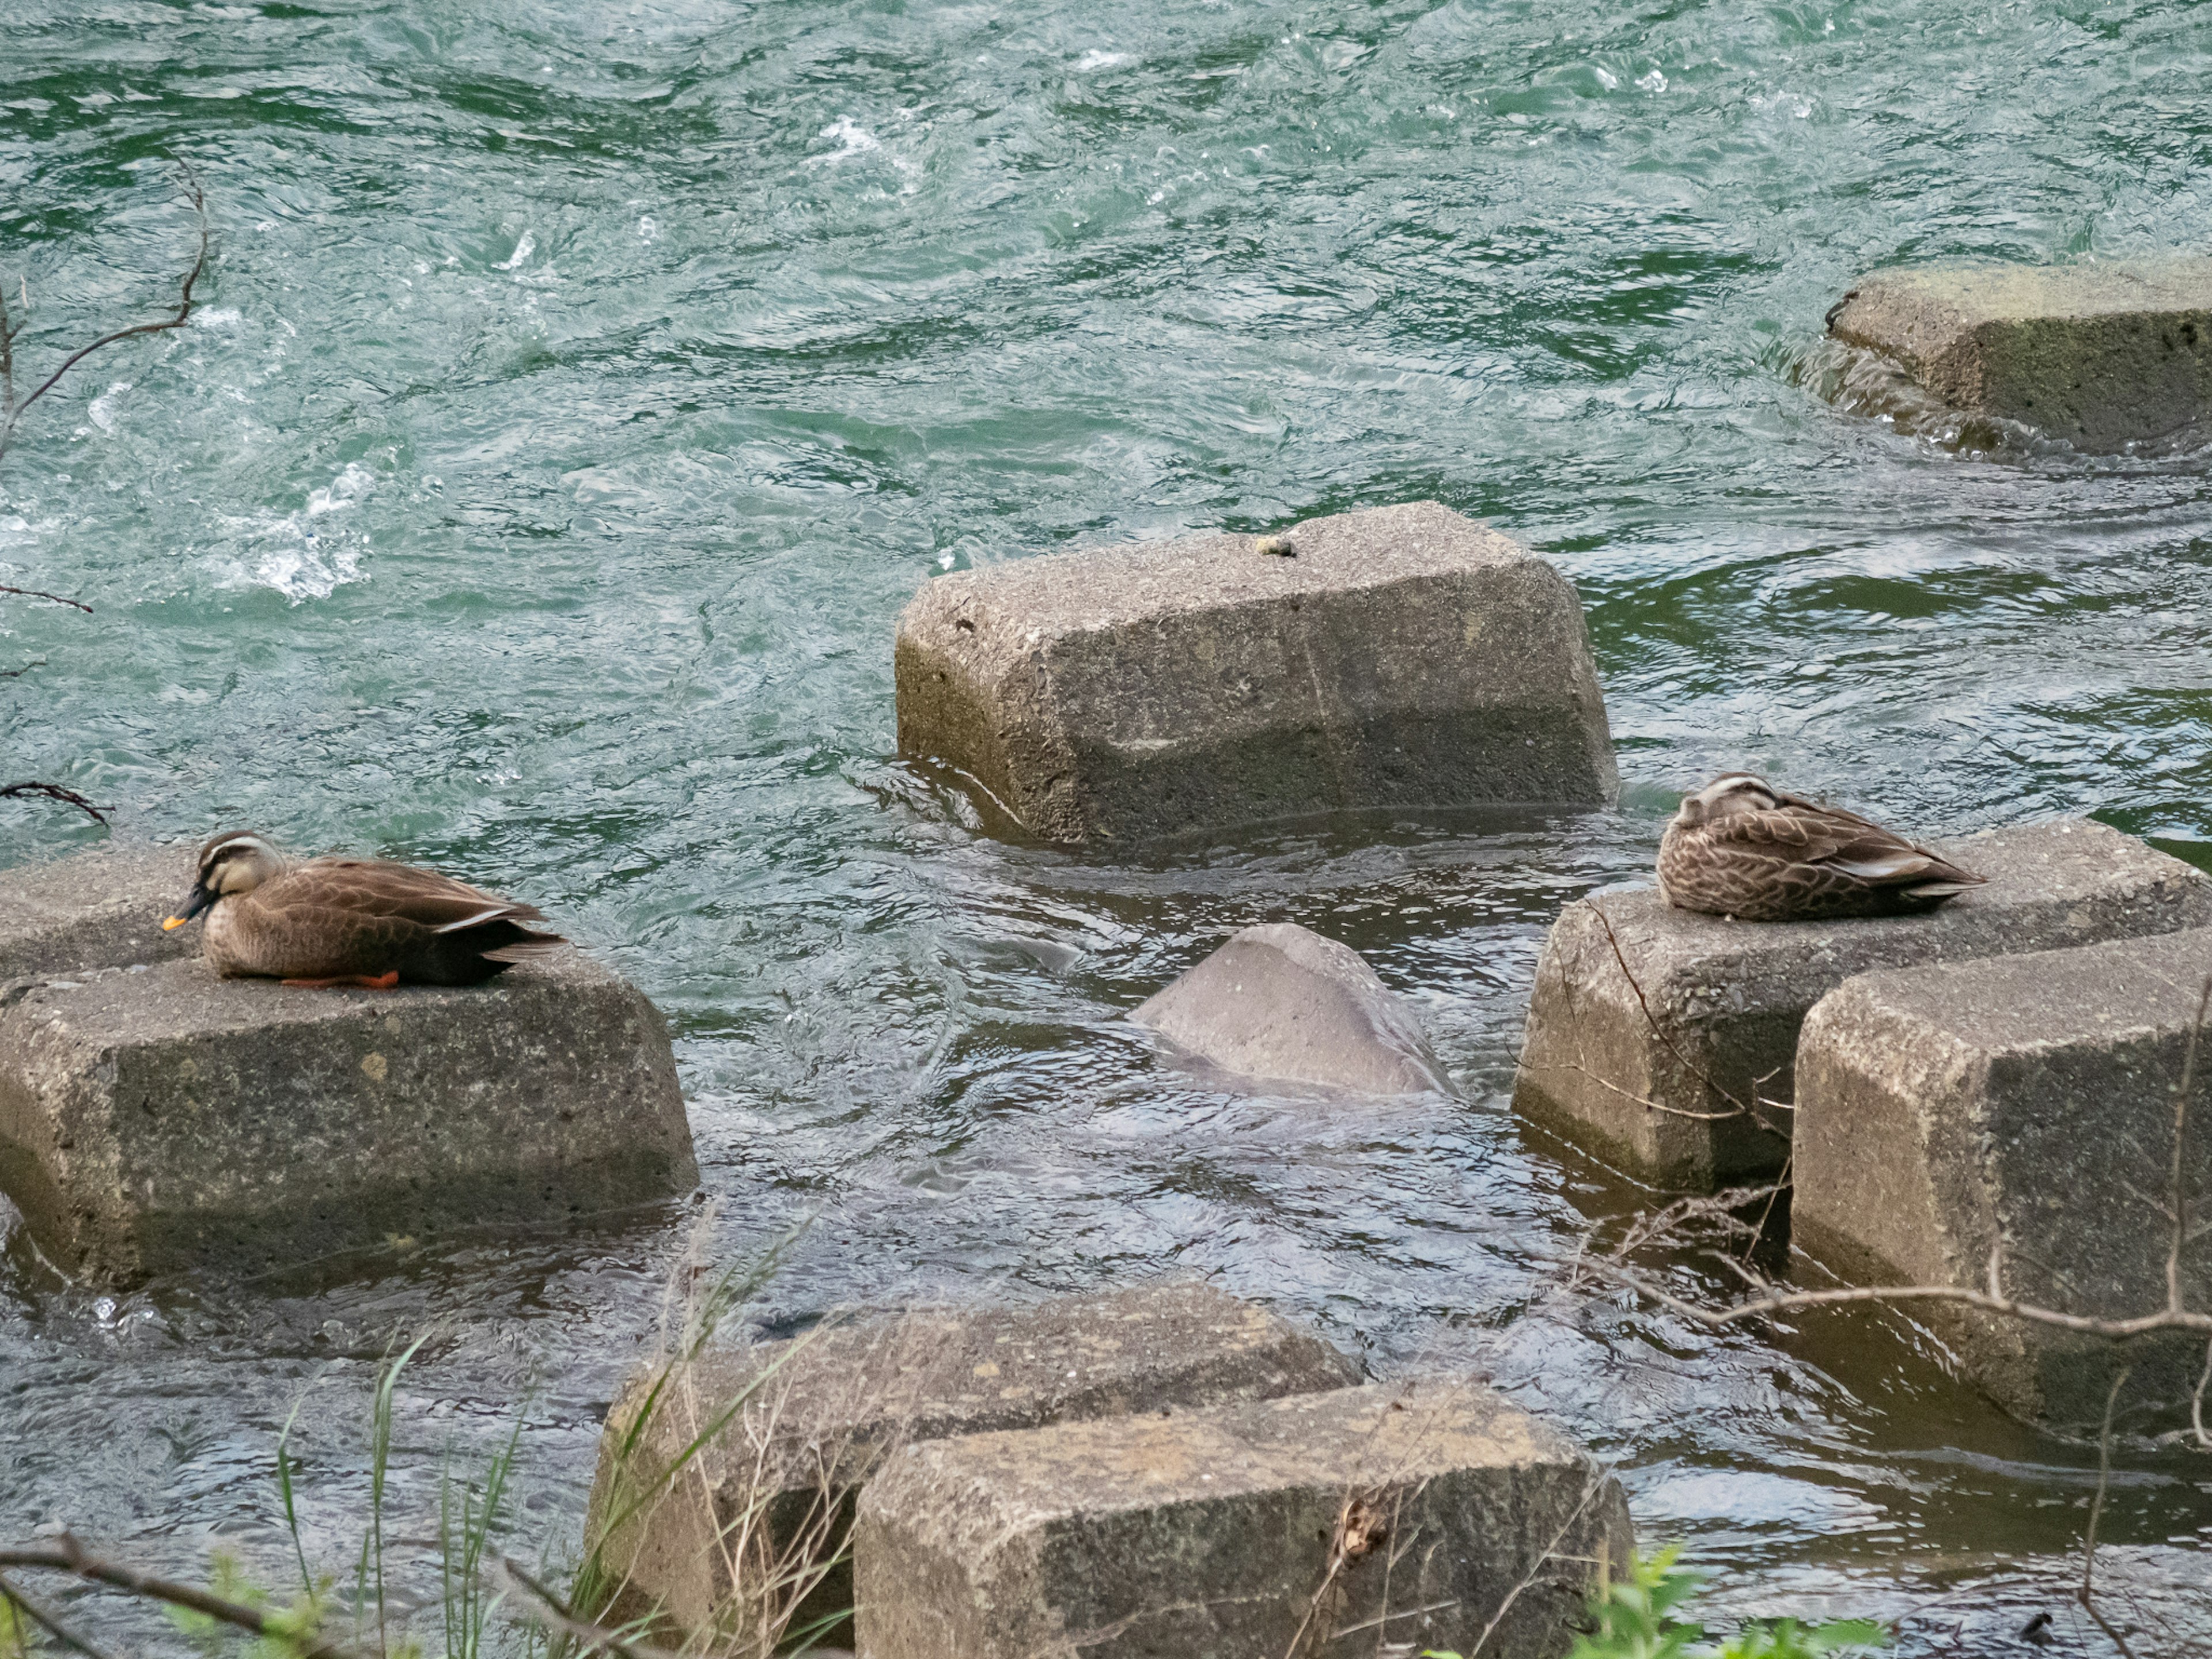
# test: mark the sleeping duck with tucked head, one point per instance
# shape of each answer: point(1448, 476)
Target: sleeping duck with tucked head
point(332, 921)
point(1740, 847)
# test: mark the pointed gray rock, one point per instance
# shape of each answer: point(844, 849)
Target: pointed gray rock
point(1280, 1001)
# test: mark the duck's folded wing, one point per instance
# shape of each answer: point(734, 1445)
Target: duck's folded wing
point(1849, 845)
point(424, 898)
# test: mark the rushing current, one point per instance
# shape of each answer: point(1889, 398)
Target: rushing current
point(578, 392)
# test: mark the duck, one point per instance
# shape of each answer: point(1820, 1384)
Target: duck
point(347, 921)
point(1742, 848)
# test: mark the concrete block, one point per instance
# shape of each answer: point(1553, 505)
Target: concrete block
point(101, 908)
point(1403, 656)
point(2099, 354)
point(158, 1119)
point(2027, 1101)
point(792, 1429)
point(1387, 1518)
point(1279, 1001)
point(1652, 1083)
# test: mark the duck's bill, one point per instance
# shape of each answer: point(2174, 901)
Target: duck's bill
point(199, 901)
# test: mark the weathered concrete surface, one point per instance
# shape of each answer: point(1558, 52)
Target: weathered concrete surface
point(101, 908)
point(2025, 1100)
point(1404, 656)
point(1280, 1001)
point(2099, 354)
point(802, 1424)
point(1725, 1000)
point(1209, 1534)
point(157, 1119)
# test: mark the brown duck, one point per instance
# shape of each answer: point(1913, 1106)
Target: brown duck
point(1740, 849)
point(350, 921)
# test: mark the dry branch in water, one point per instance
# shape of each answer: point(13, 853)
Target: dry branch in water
point(53, 791)
point(68, 1555)
point(12, 408)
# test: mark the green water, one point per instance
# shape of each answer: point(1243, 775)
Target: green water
point(581, 391)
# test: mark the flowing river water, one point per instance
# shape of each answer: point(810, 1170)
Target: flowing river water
point(580, 393)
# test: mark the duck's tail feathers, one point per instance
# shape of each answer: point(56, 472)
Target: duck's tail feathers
point(526, 949)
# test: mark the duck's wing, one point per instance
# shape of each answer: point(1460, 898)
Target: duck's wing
point(399, 892)
point(1842, 844)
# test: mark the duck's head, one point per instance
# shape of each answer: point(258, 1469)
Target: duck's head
point(1731, 791)
point(235, 862)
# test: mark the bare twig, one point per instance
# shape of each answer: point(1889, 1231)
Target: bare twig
point(33, 593)
point(53, 791)
point(68, 1555)
point(49, 1619)
point(544, 1608)
point(2085, 1594)
point(14, 412)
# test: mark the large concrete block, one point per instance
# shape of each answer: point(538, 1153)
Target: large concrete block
point(2026, 1102)
point(157, 1119)
point(1404, 657)
point(791, 1429)
point(1652, 1082)
point(2099, 354)
point(1386, 1518)
point(99, 909)
point(1280, 1001)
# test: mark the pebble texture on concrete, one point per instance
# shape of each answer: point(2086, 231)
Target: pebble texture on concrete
point(797, 1424)
point(98, 909)
point(1279, 1001)
point(2099, 354)
point(1402, 656)
point(1722, 1002)
point(158, 1119)
point(2025, 1100)
point(1387, 1514)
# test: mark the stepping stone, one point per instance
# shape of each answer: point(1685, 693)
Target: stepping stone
point(791, 1429)
point(98, 909)
point(1278, 1002)
point(158, 1119)
point(1392, 1518)
point(2100, 355)
point(1658, 1083)
point(2027, 1101)
point(1398, 657)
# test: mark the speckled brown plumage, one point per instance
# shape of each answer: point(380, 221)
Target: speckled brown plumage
point(1740, 849)
point(341, 919)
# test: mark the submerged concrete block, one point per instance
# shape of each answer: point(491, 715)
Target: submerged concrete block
point(1653, 1081)
point(2099, 354)
point(791, 1429)
point(1402, 656)
point(158, 1119)
point(1280, 1001)
point(1387, 1518)
point(101, 908)
point(2026, 1102)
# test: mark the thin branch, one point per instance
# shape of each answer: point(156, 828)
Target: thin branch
point(68, 1555)
point(33, 593)
point(53, 791)
point(18, 673)
point(198, 197)
point(551, 1612)
point(49, 1619)
point(2096, 1512)
point(2179, 1206)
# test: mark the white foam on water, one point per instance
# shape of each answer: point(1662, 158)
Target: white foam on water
point(1096, 59)
point(101, 410)
point(217, 316)
point(301, 554)
point(523, 250)
point(1654, 82)
point(1608, 79)
point(648, 229)
point(852, 139)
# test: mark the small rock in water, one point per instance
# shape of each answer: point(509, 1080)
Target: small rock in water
point(1278, 547)
point(1280, 1001)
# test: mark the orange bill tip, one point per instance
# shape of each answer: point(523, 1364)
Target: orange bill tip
point(172, 923)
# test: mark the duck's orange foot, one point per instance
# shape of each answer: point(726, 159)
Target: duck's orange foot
point(381, 983)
